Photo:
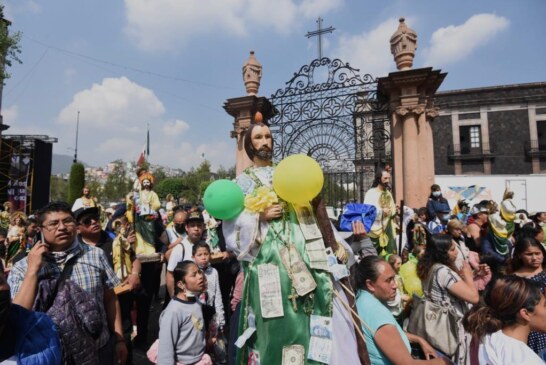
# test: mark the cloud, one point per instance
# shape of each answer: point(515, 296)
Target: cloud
point(113, 120)
point(315, 8)
point(115, 103)
point(162, 25)
point(15, 7)
point(370, 51)
point(10, 114)
point(175, 127)
point(455, 42)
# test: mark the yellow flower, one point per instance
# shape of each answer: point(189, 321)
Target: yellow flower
point(261, 199)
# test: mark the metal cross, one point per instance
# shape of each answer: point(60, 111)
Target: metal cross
point(293, 298)
point(319, 32)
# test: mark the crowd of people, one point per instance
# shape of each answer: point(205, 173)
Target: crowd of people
point(278, 283)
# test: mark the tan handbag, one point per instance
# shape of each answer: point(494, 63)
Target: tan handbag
point(437, 323)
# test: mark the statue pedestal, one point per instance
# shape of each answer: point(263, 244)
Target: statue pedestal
point(411, 95)
point(243, 110)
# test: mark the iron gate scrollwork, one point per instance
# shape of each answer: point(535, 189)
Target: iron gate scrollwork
point(341, 122)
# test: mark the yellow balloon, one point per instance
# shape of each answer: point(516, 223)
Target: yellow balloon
point(298, 179)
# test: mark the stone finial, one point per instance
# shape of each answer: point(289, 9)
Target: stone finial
point(403, 46)
point(258, 118)
point(252, 74)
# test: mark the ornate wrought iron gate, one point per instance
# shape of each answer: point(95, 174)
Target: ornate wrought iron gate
point(341, 122)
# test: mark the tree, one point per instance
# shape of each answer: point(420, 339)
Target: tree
point(118, 183)
point(76, 181)
point(159, 175)
point(173, 185)
point(9, 46)
point(58, 189)
point(194, 181)
point(96, 188)
point(224, 173)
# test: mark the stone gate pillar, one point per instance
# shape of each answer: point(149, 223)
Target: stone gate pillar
point(247, 109)
point(411, 93)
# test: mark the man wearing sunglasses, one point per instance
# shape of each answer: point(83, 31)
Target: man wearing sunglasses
point(87, 268)
point(90, 232)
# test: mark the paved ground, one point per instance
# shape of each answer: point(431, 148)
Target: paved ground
point(139, 355)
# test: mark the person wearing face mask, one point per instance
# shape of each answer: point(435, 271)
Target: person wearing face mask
point(382, 232)
point(176, 232)
point(26, 337)
point(436, 203)
point(194, 227)
point(439, 223)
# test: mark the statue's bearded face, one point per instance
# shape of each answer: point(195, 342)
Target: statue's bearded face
point(262, 142)
point(146, 183)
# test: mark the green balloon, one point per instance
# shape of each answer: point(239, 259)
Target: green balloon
point(224, 199)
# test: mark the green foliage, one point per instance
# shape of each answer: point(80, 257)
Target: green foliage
point(333, 192)
point(9, 45)
point(224, 173)
point(76, 181)
point(188, 188)
point(159, 175)
point(195, 180)
point(96, 189)
point(174, 186)
point(118, 183)
point(59, 189)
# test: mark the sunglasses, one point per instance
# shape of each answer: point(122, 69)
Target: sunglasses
point(88, 220)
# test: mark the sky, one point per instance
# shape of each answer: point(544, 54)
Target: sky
point(172, 64)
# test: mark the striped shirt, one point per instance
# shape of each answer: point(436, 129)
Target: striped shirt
point(91, 272)
point(442, 281)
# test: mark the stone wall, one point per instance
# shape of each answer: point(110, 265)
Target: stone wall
point(507, 122)
point(508, 132)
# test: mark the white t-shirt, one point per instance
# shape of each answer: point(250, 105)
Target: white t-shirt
point(181, 252)
point(499, 349)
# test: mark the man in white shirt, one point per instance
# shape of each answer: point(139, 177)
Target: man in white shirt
point(195, 226)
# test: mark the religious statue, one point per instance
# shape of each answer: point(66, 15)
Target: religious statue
point(85, 201)
point(123, 254)
point(16, 238)
point(252, 74)
point(382, 233)
point(142, 208)
point(291, 306)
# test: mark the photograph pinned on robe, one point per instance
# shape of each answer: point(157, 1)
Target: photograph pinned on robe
point(298, 179)
point(223, 199)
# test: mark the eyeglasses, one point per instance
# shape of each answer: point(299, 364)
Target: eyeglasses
point(54, 225)
point(88, 220)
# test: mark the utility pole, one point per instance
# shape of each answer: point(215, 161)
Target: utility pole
point(77, 129)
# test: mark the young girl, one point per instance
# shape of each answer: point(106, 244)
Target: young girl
point(514, 306)
point(213, 297)
point(397, 305)
point(181, 324)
